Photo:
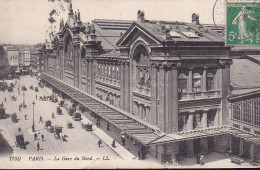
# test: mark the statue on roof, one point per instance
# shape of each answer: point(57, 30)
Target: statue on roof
point(92, 29)
point(75, 16)
point(61, 23)
point(70, 7)
point(88, 28)
point(78, 15)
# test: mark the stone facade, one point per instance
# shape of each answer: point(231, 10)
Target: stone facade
point(172, 79)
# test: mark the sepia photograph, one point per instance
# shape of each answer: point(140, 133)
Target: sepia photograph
point(127, 84)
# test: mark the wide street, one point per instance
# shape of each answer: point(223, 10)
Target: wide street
point(79, 141)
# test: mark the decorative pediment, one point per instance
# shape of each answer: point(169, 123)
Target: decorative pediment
point(134, 32)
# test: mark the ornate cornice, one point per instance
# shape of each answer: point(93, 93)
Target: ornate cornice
point(165, 64)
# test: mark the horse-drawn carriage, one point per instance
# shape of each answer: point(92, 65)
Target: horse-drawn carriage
point(86, 125)
point(24, 88)
point(2, 111)
point(14, 117)
point(59, 111)
point(76, 116)
point(40, 84)
point(10, 89)
point(69, 125)
point(48, 126)
point(12, 85)
point(42, 98)
point(19, 140)
point(58, 131)
point(61, 103)
point(71, 111)
point(14, 98)
point(3, 86)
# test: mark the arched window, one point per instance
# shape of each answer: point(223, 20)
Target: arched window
point(210, 81)
point(182, 83)
point(141, 59)
point(196, 82)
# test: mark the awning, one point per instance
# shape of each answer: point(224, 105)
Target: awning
point(168, 138)
point(136, 129)
point(245, 135)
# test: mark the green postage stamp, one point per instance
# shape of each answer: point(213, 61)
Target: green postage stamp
point(243, 23)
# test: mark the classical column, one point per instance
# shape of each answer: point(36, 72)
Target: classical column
point(122, 86)
point(252, 152)
point(190, 81)
point(241, 146)
point(204, 79)
point(216, 117)
point(190, 121)
point(127, 87)
point(154, 94)
point(204, 119)
point(190, 148)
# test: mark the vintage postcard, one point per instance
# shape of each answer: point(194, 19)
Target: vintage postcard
point(129, 84)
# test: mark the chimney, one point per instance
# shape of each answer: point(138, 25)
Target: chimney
point(140, 16)
point(195, 19)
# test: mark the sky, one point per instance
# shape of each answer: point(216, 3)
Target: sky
point(26, 21)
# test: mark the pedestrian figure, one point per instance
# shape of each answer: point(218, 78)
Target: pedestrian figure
point(40, 119)
point(38, 146)
point(177, 157)
point(99, 142)
point(35, 136)
point(107, 126)
point(42, 137)
point(25, 116)
point(114, 144)
point(202, 159)
point(52, 115)
point(198, 158)
point(36, 96)
point(139, 155)
point(5, 99)
point(123, 139)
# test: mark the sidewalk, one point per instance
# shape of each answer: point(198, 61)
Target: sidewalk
point(120, 150)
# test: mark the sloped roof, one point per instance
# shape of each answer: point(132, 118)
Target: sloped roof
point(244, 76)
point(110, 31)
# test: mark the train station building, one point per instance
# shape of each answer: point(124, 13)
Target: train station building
point(165, 84)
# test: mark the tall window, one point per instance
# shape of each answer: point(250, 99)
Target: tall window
point(196, 81)
point(257, 111)
point(210, 81)
point(182, 122)
point(210, 117)
point(236, 111)
point(182, 83)
point(197, 120)
point(246, 112)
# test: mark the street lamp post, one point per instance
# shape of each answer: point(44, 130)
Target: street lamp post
point(19, 86)
point(33, 126)
point(23, 99)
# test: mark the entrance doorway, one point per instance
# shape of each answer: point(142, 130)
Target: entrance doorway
point(210, 144)
point(196, 146)
point(235, 145)
point(246, 149)
point(183, 148)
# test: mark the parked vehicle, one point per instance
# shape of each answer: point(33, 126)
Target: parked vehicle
point(2, 111)
point(19, 140)
point(59, 111)
point(57, 131)
point(76, 116)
